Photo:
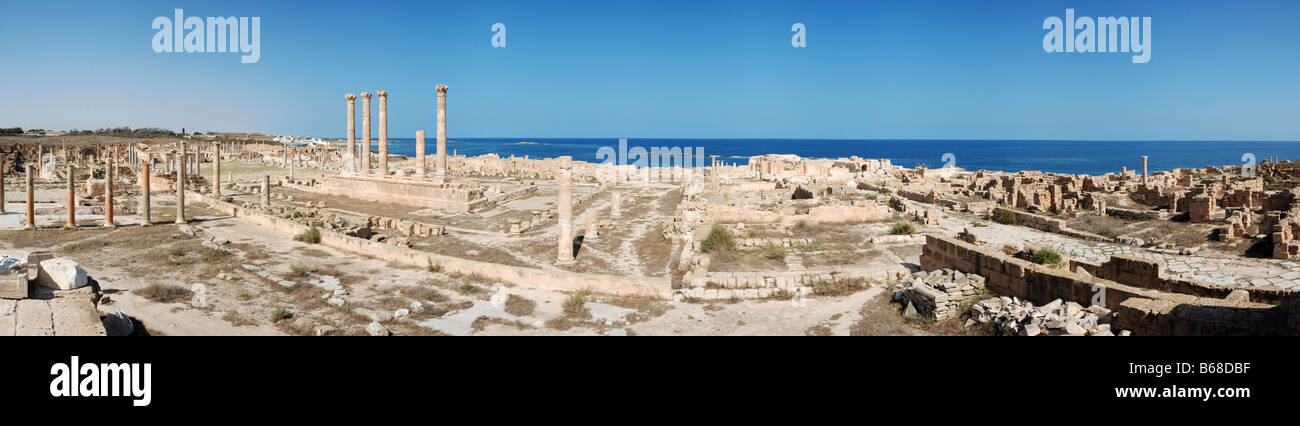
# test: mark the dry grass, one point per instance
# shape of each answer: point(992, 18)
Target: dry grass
point(164, 293)
point(520, 306)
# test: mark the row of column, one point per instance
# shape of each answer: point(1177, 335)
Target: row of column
point(362, 163)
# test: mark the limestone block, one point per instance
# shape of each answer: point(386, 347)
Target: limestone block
point(61, 273)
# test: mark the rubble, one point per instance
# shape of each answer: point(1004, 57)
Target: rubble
point(1010, 315)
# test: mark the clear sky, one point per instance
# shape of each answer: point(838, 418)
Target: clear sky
point(640, 69)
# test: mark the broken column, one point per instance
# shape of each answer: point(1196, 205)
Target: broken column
point(145, 220)
point(442, 131)
point(365, 132)
point(615, 205)
point(419, 153)
point(31, 200)
point(216, 169)
point(383, 131)
point(591, 232)
point(180, 187)
point(266, 190)
point(349, 161)
point(72, 200)
point(564, 178)
point(108, 193)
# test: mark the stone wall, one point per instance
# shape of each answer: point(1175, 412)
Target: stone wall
point(1010, 276)
point(658, 287)
point(1151, 275)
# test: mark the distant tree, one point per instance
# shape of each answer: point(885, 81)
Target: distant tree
point(12, 131)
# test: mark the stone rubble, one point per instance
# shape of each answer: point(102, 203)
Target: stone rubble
point(940, 292)
point(1020, 317)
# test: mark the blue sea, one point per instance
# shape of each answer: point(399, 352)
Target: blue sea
point(1076, 157)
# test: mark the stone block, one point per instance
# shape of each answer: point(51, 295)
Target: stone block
point(61, 273)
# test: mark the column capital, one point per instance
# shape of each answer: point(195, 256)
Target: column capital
point(441, 89)
point(365, 95)
point(382, 94)
point(350, 97)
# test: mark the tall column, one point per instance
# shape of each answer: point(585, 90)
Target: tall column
point(348, 160)
point(31, 199)
point(287, 160)
point(616, 205)
point(442, 130)
point(108, 193)
point(145, 174)
point(419, 152)
point(266, 190)
point(216, 169)
point(383, 132)
point(1144, 169)
point(365, 132)
point(180, 187)
point(2, 183)
point(72, 200)
point(564, 177)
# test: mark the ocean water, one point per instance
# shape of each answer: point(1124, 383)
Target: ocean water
point(1077, 157)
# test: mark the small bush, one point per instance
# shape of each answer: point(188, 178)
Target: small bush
point(310, 236)
point(244, 295)
point(902, 228)
point(467, 287)
point(574, 303)
point(978, 224)
point(432, 267)
point(164, 293)
point(519, 306)
point(1046, 256)
point(280, 313)
point(299, 270)
point(1004, 216)
point(719, 239)
point(775, 253)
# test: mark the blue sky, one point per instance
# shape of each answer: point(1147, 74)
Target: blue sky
point(640, 69)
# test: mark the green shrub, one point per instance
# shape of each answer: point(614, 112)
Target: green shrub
point(433, 267)
point(775, 253)
point(719, 239)
point(280, 313)
point(1004, 216)
point(902, 228)
point(1046, 256)
point(574, 303)
point(310, 236)
point(299, 270)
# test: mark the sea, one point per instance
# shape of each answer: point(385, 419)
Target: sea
point(1060, 156)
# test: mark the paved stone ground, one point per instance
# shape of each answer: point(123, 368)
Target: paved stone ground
point(1225, 271)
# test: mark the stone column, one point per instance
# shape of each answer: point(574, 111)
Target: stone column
point(72, 200)
point(145, 173)
point(198, 162)
point(419, 153)
point(216, 169)
point(1144, 169)
point(108, 193)
point(2, 183)
point(31, 199)
point(383, 131)
point(564, 178)
point(615, 205)
point(592, 232)
point(180, 188)
point(442, 131)
point(266, 190)
point(349, 160)
point(365, 132)
point(286, 160)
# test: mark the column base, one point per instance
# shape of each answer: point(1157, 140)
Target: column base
point(108, 226)
point(29, 227)
point(146, 223)
point(69, 226)
point(181, 221)
point(569, 262)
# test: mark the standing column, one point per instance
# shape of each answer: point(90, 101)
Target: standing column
point(564, 177)
point(286, 159)
point(266, 190)
point(419, 153)
point(31, 199)
point(1144, 169)
point(383, 132)
point(180, 187)
point(2, 183)
point(108, 194)
point(72, 200)
point(442, 131)
point(145, 175)
point(348, 160)
point(216, 169)
point(615, 205)
point(365, 132)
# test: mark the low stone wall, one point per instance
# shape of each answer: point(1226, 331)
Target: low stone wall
point(1151, 274)
point(941, 293)
point(1044, 223)
point(659, 287)
point(761, 284)
point(1010, 276)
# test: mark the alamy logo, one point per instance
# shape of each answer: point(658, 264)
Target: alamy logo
point(215, 35)
point(102, 380)
point(1103, 35)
